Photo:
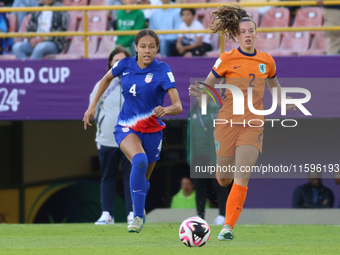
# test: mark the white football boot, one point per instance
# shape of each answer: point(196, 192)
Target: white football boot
point(227, 233)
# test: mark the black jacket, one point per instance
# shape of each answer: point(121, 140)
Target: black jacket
point(303, 196)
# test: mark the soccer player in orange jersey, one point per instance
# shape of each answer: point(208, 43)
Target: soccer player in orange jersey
point(238, 145)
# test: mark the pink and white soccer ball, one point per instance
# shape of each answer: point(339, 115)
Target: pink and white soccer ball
point(194, 232)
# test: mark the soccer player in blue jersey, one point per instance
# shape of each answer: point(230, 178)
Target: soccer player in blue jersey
point(138, 132)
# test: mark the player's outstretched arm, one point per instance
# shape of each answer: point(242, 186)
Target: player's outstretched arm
point(195, 92)
point(103, 85)
point(274, 83)
point(174, 109)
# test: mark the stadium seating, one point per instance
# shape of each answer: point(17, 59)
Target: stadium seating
point(76, 49)
point(97, 21)
point(292, 44)
point(75, 18)
point(252, 1)
point(196, 1)
point(255, 15)
point(276, 17)
point(75, 2)
point(23, 28)
point(267, 41)
point(309, 17)
point(206, 18)
point(98, 2)
point(107, 43)
point(223, 1)
point(319, 45)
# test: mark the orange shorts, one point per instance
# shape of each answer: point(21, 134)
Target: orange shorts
point(228, 138)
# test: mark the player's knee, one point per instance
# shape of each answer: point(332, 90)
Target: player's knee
point(224, 182)
point(140, 162)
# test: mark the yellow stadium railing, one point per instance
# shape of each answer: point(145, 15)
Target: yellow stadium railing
point(87, 33)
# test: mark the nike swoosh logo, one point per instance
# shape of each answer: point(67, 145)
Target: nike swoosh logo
point(235, 67)
point(238, 208)
point(125, 73)
point(136, 190)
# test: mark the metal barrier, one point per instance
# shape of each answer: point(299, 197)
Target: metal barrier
point(87, 33)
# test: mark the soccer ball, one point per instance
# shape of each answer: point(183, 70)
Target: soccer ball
point(194, 232)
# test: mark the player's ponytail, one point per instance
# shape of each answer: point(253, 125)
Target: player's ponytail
point(225, 20)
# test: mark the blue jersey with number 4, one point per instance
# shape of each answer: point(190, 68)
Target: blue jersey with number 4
point(143, 90)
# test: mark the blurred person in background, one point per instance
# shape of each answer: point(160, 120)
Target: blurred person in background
point(166, 19)
point(185, 198)
point(5, 43)
point(201, 151)
point(313, 194)
point(7, 3)
point(129, 20)
point(23, 3)
point(43, 22)
point(331, 14)
point(198, 44)
point(148, 12)
point(113, 13)
point(110, 156)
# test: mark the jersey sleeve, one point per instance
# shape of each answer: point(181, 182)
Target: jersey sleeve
point(272, 71)
point(168, 79)
point(220, 67)
point(117, 68)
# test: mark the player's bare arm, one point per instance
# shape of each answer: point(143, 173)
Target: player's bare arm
point(210, 80)
point(174, 109)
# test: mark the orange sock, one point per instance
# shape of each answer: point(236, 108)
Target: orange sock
point(235, 202)
point(216, 176)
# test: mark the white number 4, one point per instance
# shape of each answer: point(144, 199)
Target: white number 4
point(159, 148)
point(133, 90)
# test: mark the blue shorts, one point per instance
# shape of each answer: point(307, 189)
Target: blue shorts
point(151, 142)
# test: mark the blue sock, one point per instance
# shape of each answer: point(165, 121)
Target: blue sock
point(138, 183)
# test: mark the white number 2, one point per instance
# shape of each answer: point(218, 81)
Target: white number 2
point(133, 90)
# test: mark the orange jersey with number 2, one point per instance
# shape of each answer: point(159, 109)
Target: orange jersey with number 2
point(245, 71)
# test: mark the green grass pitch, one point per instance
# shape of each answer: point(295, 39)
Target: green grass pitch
point(163, 239)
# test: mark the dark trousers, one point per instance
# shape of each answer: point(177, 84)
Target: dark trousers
point(196, 52)
point(209, 188)
point(109, 159)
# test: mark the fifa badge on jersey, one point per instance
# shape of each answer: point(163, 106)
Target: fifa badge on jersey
point(217, 145)
point(125, 129)
point(262, 68)
point(148, 77)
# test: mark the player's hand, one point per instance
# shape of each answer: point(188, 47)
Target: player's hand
point(159, 111)
point(194, 91)
point(89, 114)
point(290, 106)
